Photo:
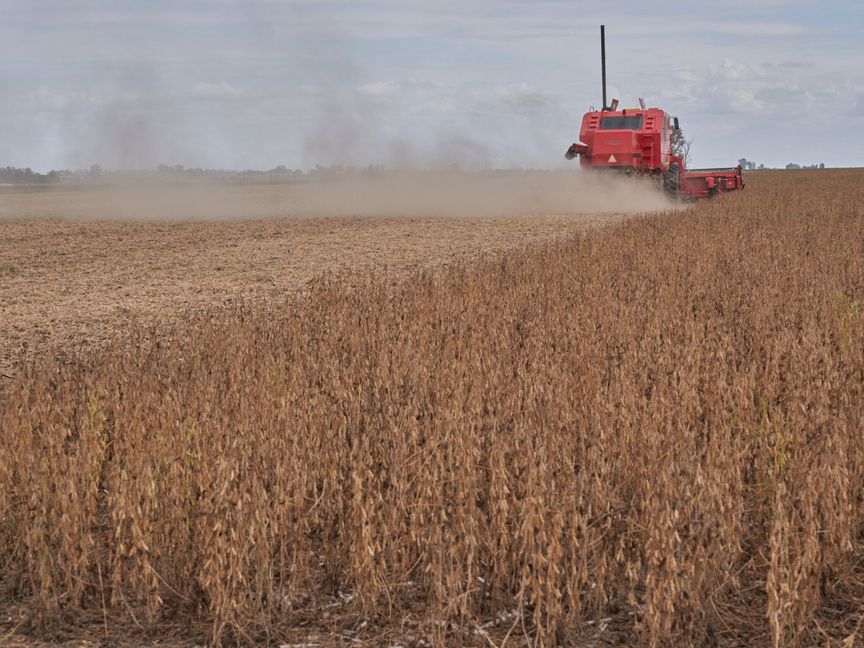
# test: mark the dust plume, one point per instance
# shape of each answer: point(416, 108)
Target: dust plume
point(360, 194)
point(451, 193)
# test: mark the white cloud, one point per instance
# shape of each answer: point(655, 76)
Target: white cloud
point(733, 71)
point(75, 99)
point(797, 64)
point(731, 86)
point(368, 76)
point(754, 29)
point(378, 88)
point(219, 90)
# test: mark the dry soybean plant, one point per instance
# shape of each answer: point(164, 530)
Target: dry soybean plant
point(651, 432)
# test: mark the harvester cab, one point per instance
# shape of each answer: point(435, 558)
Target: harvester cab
point(644, 141)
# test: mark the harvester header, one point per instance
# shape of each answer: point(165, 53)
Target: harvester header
point(648, 142)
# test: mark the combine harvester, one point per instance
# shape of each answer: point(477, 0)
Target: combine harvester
point(646, 142)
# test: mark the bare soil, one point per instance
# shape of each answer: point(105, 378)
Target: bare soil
point(68, 282)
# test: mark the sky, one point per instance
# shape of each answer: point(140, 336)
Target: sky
point(481, 83)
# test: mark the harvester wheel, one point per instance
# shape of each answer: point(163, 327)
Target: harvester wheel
point(672, 181)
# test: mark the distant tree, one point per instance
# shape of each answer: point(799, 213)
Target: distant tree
point(821, 165)
point(681, 145)
point(95, 170)
point(761, 167)
point(792, 165)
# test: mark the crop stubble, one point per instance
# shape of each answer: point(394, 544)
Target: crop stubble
point(69, 284)
point(649, 433)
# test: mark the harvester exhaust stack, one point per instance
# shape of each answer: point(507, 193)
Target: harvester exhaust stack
point(603, 61)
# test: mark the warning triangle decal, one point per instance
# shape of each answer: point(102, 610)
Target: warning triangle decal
point(612, 158)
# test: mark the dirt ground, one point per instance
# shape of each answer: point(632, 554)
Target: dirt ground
point(68, 282)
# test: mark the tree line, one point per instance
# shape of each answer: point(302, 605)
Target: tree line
point(13, 175)
point(749, 165)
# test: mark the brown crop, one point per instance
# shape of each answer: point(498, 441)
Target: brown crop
point(649, 434)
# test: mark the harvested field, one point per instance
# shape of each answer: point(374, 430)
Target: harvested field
point(68, 282)
point(648, 434)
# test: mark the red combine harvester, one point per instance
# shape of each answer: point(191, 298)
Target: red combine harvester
point(647, 142)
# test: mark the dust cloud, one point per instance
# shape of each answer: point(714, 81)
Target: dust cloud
point(510, 193)
point(360, 194)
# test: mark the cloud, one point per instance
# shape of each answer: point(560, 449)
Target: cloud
point(378, 88)
point(746, 28)
point(48, 99)
point(733, 71)
point(797, 64)
point(754, 89)
point(219, 90)
point(267, 82)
